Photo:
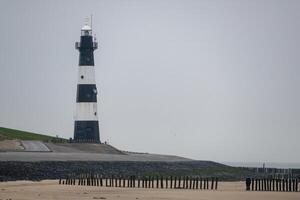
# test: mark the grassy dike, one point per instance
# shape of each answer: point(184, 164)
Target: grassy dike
point(10, 134)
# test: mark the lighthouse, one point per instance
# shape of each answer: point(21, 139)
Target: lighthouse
point(86, 126)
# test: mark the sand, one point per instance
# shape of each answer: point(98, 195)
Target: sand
point(51, 190)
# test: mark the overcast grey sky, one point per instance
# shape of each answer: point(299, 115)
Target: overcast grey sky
point(216, 80)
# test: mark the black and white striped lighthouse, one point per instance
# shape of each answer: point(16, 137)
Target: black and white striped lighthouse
point(86, 128)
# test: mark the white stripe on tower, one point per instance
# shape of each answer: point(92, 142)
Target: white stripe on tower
point(86, 75)
point(86, 112)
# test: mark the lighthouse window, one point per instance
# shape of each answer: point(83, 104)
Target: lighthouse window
point(82, 76)
point(95, 113)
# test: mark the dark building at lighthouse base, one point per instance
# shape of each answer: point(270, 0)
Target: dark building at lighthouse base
point(86, 131)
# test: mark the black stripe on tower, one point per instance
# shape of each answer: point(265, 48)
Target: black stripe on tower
point(86, 93)
point(86, 49)
point(86, 131)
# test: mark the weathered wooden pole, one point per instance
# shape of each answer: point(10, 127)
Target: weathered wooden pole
point(273, 184)
point(194, 182)
point(101, 181)
point(124, 181)
point(197, 183)
point(113, 181)
point(167, 179)
point(92, 180)
point(116, 181)
point(133, 181)
point(186, 182)
point(200, 183)
point(86, 180)
point(128, 182)
point(293, 185)
point(149, 181)
point(280, 184)
point(79, 180)
point(152, 179)
point(207, 184)
point(216, 186)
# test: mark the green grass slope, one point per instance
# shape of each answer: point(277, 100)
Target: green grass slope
point(7, 133)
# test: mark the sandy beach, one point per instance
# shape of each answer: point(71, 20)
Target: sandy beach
point(51, 190)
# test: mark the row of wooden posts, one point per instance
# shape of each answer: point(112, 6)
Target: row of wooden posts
point(284, 185)
point(172, 182)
